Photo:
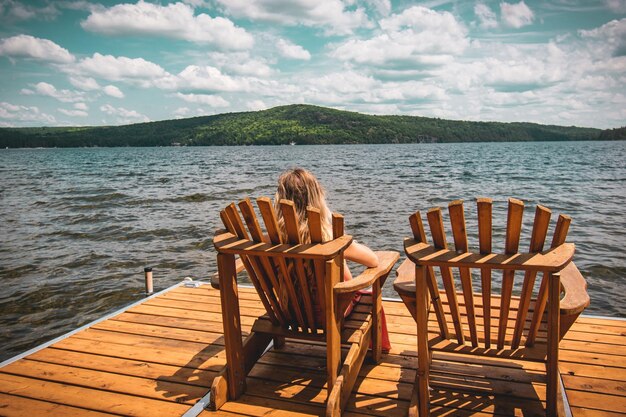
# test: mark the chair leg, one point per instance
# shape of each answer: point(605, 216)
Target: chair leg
point(229, 297)
point(423, 355)
point(219, 390)
point(552, 363)
point(377, 310)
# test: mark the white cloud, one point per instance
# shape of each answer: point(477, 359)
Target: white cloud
point(240, 63)
point(616, 6)
point(210, 100)
point(181, 112)
point(19, 113)
point(46, 89)
point(73, 113)
point(84, 83)
point(256, 105)
point(174, 21)
point(383, 7)
point(113, 91)
point(291, 50)
point(332, 15)
point(26, 46)
point(207, 78)
point(124, 116)
point(108, 67)
point(486, 16)
point(516, 15)
point(16, 10)
point(416, 36)
point(611, 36)
point(81, 106)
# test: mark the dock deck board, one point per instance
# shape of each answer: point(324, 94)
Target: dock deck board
point(159, 358)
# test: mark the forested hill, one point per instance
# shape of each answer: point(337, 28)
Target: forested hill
point(301, 124)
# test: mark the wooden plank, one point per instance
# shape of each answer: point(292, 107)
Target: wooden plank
point(210, 357)
point(144, 369)
point(538, 237)
point(513, 230)
point(435, 222)
point(88, 398)
point(457, 220)
point(106, 381)
point(15, 406)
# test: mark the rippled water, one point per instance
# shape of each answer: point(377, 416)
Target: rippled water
point(79, 225)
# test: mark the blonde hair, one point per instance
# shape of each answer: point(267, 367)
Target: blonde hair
point(301, 187)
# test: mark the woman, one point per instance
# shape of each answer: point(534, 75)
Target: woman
point(301, 187)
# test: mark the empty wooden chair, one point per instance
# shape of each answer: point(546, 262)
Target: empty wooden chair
point(485, 322)
point(300, 285)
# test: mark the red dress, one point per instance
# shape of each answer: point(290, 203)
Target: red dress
point(386, 344)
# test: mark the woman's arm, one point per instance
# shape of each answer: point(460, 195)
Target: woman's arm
point(359, 253)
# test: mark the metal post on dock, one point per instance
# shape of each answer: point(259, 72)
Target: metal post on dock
point(148, 277)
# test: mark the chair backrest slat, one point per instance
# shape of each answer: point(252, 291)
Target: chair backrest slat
point(420, 236)
point(227, 223)
point(232, 221)
point(513, 231)
point(560, 234)
point(314, 221)
point(417, 227)
point(235, 221)
point(457, 220)
point(291, 225)
point(266, 274)
point(438, 233)
point(269, 219)
point(337, 220)
point(484, 206)
point(287, 294)
point(537, 240)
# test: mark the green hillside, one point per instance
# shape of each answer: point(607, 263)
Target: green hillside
point(302, 124)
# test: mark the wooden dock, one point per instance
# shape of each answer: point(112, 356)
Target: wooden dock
point(159, 357)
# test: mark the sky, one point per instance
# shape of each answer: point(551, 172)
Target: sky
point(76, 62)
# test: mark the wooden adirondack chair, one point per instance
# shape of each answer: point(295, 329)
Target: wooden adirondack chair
point(485, 323)
point(301, 288)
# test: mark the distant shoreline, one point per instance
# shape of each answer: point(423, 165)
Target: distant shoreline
point(300, 125)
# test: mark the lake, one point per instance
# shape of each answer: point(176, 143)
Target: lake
point(79, 225)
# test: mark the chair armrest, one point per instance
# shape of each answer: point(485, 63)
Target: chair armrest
point(405, 281)
point(386, 261)
point(215, 279)
point(574, 285)
point(231, 244)
point(552, 260)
